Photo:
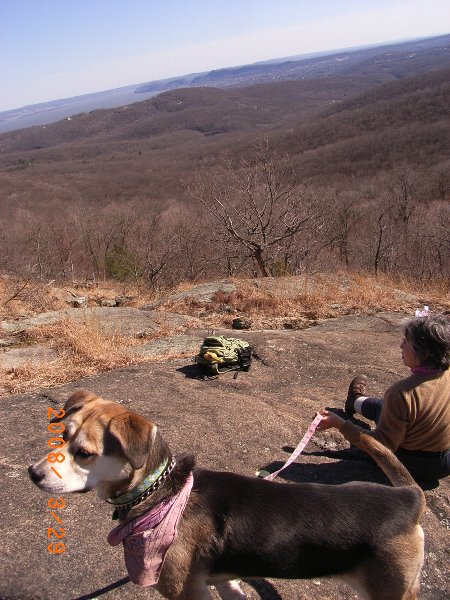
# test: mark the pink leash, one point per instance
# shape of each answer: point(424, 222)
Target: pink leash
point(305, 439)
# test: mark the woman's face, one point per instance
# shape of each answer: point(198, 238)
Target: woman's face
point(409, 357)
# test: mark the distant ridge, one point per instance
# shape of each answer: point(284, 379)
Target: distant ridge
point(307, 66)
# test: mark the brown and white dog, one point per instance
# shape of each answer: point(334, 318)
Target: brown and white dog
point(237, 527)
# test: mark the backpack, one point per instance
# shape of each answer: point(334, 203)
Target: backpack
point(219, 354)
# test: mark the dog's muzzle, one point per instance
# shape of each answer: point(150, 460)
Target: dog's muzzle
point(35, 476)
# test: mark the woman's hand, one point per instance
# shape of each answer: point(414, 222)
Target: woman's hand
point(329, 420)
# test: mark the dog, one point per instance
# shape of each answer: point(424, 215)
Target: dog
point(232, 526)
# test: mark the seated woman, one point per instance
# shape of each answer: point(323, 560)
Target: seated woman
point(413, 418)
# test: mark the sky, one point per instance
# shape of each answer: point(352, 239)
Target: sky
point(52, 49)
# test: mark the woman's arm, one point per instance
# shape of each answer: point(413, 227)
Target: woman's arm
point(391, 428)
point(330, 420)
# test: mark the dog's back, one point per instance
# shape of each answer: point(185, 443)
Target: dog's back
point(368, 534)
point(281, 530)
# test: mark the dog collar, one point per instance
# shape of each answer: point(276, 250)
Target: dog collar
point(144, 488)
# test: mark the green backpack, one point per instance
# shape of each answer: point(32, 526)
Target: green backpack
point(219, 354)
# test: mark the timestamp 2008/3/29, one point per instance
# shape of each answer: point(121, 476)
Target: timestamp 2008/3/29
point(54, 457)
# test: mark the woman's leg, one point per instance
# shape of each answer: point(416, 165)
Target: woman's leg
point(369, 407)
point(426, 467)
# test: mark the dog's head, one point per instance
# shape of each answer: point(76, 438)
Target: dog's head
point(106, 446)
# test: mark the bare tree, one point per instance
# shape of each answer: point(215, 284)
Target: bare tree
point(259, 204)
point(344, 226)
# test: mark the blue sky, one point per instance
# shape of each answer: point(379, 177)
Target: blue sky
point(52, 49)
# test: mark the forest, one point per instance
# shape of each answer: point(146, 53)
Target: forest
point(349, 172)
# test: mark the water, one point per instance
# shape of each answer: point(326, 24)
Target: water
point(50, 112)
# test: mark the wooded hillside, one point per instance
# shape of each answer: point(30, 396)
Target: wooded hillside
point(349, 170)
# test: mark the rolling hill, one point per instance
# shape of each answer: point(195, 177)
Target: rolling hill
point(106, 191)
point(337, 125)
point(395, 59)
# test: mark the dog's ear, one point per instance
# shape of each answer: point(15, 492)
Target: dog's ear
point(79, 397)
point(76, 401)
point(134, 434)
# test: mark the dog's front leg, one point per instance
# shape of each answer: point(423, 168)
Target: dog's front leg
point(230, 590)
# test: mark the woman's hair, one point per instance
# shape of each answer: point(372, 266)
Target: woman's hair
point(430, 339)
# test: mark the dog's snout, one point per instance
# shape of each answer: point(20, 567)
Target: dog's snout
point(34, 475)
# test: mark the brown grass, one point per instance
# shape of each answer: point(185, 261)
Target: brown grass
point(22, 297)
point(19, 297)
point(83, 350)
point(270, 302)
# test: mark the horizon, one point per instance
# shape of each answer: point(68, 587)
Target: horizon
point(74, 48)
point(304, 56)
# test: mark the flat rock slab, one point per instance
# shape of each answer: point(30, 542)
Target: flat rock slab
point(237, 424)
point(14, 358)
point(170, 346)
point(111, 320)
point(126, 322)
point(204, 292)
point(187, 343)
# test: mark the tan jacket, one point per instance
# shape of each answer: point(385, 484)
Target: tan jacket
point(416, 413)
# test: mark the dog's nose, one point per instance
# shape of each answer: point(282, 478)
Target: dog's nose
point(35, 477)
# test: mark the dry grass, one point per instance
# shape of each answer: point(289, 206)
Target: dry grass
point(82, 349)
point(19, 297)
point(272, 302)
point(22, 297)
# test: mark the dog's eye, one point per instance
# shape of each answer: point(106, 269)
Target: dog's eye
point(83, 453)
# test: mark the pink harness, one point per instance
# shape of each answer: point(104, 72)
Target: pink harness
point(147, 538)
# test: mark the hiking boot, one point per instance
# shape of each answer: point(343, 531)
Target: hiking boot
point(357, 388)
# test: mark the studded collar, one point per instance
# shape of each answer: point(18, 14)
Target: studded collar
point(142, 490)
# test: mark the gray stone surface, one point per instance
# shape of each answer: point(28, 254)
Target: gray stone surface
point(13, 358)
point(171, 345)
point(128, 322)
point(233, 424)
point(204, 292)
point(119, 320)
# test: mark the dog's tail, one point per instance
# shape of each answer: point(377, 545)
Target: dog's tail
point(394, 470)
